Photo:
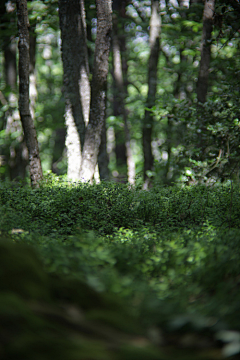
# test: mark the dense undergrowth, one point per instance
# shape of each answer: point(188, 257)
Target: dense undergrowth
point(171, 253)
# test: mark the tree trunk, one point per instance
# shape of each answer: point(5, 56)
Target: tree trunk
point(32, 70)
point(98, 90)
point(154, 40)
point(76, 80)
point(202, 84)
point(103, 159)
point(30, 135)
point(13, 151)
point(16, 152)
point(119, 144)
point(123, 150)
point(10, 66)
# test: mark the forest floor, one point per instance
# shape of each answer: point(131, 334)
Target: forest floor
point(170, 255)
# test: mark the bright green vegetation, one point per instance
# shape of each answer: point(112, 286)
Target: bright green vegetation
point(170, 257)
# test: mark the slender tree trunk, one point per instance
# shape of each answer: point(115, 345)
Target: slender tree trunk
point(202, 84)
point(102, 170)
point(98, 90)
point(76, 80)
point(30, 135)
point(119, 144)
point(16, 154)
point(13, 152)
point(120, 87)
point(103, 159)
point(32, 70)
point(10, 64)
point(154, 40)
point(90, 40)
point(169, 150)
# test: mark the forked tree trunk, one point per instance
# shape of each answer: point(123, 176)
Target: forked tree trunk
point(30, 134)
point(98, 90)
point(202, 84)
point(154, 40)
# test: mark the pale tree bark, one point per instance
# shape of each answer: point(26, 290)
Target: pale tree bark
point(119, 72)
point(202, 84)
point(30, 134)
point(154, 41)
point(98, 90)
point(76, 80)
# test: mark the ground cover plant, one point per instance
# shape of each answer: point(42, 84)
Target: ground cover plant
point(170, 255)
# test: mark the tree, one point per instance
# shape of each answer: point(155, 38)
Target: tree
point(103, 159)
point(14, 150)
point(154, 41)
point(32, 68)
point(98, 90)
point(76, 79)
point(202, 84)
point(181, 129)
point(30, 135)
point(123, 149)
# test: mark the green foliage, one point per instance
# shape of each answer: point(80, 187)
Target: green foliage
point(171, 254)
point(139, 233)
point(106, 207)
point(115, 259)
point(207, 149)
point(204, 130)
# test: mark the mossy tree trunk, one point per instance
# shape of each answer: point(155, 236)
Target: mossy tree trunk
point(98, 90)
point(30, 134)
